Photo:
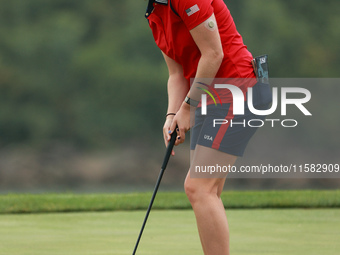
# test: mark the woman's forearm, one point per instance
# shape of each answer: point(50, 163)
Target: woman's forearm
point(207, 69)
point(209, 65)
point(177, 91)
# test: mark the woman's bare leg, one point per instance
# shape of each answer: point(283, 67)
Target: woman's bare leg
point(204, 196)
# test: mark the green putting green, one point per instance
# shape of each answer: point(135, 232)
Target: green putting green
point(257, 231)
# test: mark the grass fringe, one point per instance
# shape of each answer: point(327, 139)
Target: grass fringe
point(54, 203)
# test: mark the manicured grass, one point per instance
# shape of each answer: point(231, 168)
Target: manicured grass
point(29, 203)
point(255, 232)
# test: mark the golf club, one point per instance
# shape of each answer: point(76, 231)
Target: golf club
point(165, 162)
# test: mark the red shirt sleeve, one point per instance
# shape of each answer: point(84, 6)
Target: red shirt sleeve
point(193, 12)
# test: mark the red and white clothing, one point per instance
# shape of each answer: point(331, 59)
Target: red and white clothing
point(171, 22)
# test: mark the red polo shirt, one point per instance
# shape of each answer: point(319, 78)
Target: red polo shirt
point(171, 22)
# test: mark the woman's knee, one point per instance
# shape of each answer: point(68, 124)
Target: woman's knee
point(200, 189)
point(191, 190)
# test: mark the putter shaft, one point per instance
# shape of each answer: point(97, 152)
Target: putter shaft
point(165, 162)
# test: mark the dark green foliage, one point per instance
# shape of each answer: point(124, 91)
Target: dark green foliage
point(88, 72)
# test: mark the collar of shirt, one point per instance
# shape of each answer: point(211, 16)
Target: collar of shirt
point(150, 6)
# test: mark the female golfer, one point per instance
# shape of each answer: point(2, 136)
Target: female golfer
point(199, 40)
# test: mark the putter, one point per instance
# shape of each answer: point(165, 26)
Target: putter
point(165, 162)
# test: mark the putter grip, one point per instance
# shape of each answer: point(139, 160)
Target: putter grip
point(169, 149)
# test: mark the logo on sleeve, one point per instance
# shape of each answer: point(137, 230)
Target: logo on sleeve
point(162, 1)
point(192, 10)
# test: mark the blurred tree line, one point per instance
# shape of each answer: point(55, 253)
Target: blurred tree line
point(88, 73)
